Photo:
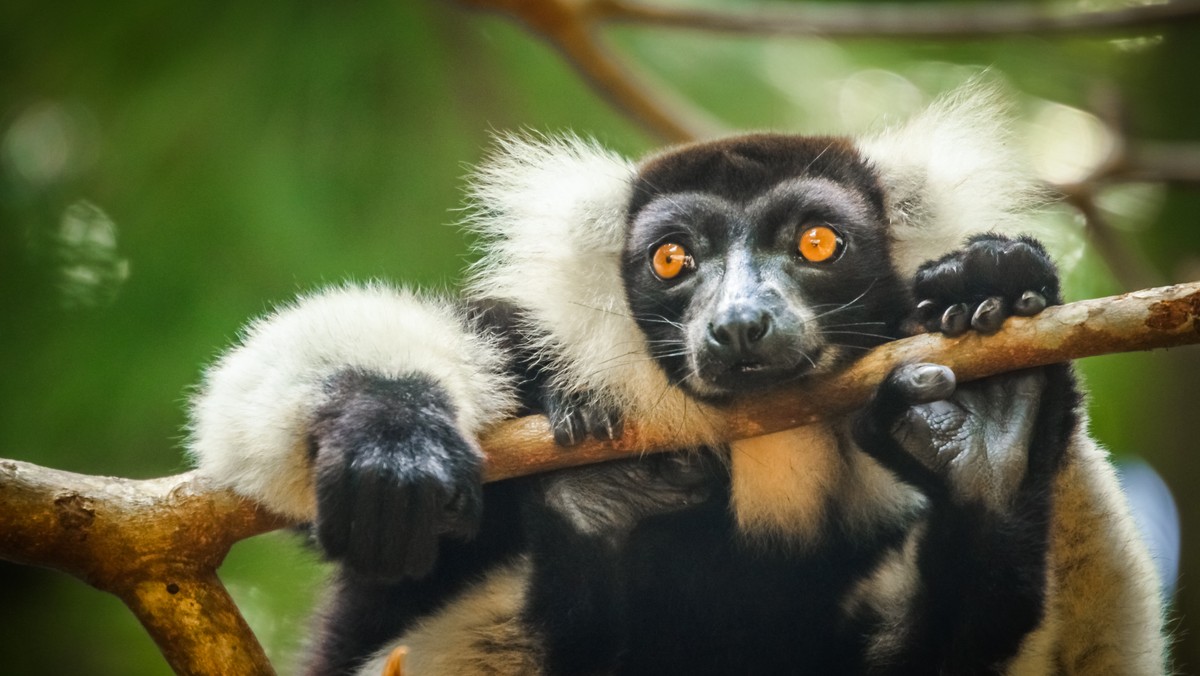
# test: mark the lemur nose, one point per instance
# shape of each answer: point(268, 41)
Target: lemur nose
point(739, 328)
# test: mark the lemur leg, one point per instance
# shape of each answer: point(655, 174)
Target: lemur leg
point(985, 455)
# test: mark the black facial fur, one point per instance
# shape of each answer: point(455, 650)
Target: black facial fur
point(753, 312)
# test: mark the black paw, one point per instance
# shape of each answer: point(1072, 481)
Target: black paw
point(574, 416)
point(393, 474)
point(982, 284)
point(967, 443)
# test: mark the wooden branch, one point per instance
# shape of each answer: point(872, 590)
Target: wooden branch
point(571, 28)
point(157, 543)
point(1159, 162)
point(1141, 320)
point(899, 20)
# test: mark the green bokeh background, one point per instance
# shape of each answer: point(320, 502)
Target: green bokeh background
point(248, 151)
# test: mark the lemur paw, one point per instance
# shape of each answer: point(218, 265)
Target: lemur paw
point(393, 474)
point(573, 416)
point(968, 443)
point(982, 284)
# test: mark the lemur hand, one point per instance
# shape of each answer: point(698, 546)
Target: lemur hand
point(974, 442)
point(393, 473)
point(574, 416)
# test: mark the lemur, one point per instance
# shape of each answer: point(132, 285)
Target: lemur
point(944, 528)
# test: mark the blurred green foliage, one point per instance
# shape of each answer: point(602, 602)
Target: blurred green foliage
point(168, 171)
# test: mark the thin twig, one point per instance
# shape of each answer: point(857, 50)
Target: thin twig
point(1125, 263)
point(1160, 162)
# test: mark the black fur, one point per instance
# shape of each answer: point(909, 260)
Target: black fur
point(580, 599)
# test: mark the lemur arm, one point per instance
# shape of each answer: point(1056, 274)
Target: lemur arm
point(351, 405)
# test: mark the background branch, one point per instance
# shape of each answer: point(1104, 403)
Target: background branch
point(573, 27)
point(899, 20)
point(157, 543)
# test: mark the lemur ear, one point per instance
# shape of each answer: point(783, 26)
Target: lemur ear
point(953, 170)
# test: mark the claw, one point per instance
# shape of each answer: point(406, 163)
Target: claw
point(922, 383)
point(926, 311)
point(955, 321)
point(989, 316)
point(566, 429)
point(1030, 303)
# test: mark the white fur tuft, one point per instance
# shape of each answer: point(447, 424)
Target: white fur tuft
point(551, 212)
point(952, 171)
point(250, 419)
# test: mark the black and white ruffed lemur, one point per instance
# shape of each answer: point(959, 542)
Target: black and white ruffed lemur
point(944, 529)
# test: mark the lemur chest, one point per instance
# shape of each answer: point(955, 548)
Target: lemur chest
point(782, 483)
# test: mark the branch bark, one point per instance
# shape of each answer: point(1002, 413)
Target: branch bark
point(572, 28)
point(157, 543)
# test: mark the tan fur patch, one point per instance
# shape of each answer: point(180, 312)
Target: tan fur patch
point(782, 482)
point(1106, 603)
point(889, 591)
point(478, 634)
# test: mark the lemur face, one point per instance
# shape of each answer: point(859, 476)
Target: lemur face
point(754, 261)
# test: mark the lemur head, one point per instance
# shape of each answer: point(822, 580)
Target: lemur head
point(759, 259)
point(734, 264)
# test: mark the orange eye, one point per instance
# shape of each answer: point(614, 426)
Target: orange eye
point(671, 259)
point(819, 244)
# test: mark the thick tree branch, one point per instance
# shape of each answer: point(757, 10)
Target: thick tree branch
point(157, 543)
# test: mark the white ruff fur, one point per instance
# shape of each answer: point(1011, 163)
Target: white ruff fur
point(952, 171)
point(251, 417)
point(552, 216)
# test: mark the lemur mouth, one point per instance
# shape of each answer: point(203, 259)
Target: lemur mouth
point(748, 376)
point(748, 367)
